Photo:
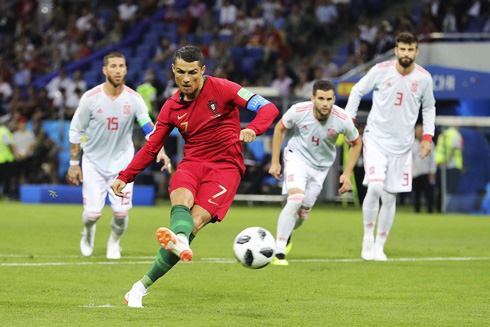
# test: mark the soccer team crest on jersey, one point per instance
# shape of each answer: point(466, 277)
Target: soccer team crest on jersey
point(330, 132)
point(127, 109)
point(213, 106)
point(414, 87)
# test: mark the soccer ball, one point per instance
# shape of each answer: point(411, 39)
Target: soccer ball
point(254, 247)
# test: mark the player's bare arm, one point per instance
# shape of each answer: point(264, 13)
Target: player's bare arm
point(354, 152)
point(424, 149)
point(117, 186)
point(167, 163)
point(74, 175)
point(247, 135)
point(277, 139)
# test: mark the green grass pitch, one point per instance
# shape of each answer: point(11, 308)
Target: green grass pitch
point(438, 273)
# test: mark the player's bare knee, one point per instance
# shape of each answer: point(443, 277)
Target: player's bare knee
point(182, 196)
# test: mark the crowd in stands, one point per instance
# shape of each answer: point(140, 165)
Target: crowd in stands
point(294, 39)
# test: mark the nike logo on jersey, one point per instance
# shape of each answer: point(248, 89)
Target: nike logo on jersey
point(212, 202)
point(180, 117)
point(99, 111)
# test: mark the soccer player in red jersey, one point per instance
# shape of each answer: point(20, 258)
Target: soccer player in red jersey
point(204, 185)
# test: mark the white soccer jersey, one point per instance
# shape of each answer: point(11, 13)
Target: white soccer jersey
point(108, 125)
point(396, 103)
point(314, 140)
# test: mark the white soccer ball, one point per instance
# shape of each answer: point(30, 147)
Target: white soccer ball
point(254, 247)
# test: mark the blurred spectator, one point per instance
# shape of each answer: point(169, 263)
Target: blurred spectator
point(76, 83)
point(207, 24)
point(6, 156)
point(424, 173)
point(269, 8)
point(55, 60)
point(22, 146)
point(164, 51)
point(59, 102)
point(282, 82)
point(223, 65)
point(185, 23)
point(368, 30)
point(330, 69)
point(326, 16)
point(254, 20)
point(148, 92)
point(115, 35)
point(227, 13)
point(60, 81)
point(5, 89)
point(72, 101)
point(127, 11)
point(449, 21)
point(44, 106)
point(22, 76)
point(196, 10)
point(278, 20)
point(83, 22)
point(171, 16)
point(449, 155)
point(383, 42)
point(44, 160)
point(303, 89)
point(352, 62)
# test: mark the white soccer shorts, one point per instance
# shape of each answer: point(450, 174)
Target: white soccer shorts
point(95, 188)
point(395, 172)
point(297, 174)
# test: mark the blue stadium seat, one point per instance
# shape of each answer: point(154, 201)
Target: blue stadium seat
point(236, 52)
point(246, 66)
point(92, 78)
point(152, 38)
point(171, 28)
point(343, 51)
point(207, 39)
point(133, 77)
point(191, 38)
point(224, 38)
point(144, 51)
point(257, 149)
point(208, 63)
point(255, 52)
point(137, 63)
point(172, 37)
point(126, 51)
point(157, 27)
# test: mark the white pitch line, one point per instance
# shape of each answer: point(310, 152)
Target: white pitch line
point(226, 261)
point(97, 306)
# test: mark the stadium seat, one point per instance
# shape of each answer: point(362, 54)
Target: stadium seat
point(343, 51)
point(172, 37)
point(207, 39)
point(255, 52)
point(92, 78)
point(236, 52)
point(257, 149)
point(133, 77)
point(137, 63)
point(224, 38)
point(171, 28)
point(246, 66)
point(152, 38)
point(126, 51)
point(144, 51)
point(157, 27)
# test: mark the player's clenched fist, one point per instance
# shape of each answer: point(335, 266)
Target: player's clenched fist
point(247, 135)
point(117, 187)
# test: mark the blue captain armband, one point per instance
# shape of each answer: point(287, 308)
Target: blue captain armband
point(256, 102)
point(146, 126)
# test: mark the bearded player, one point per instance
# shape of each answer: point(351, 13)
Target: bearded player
point(400, 87)
point(205, 111)
point(106, 115)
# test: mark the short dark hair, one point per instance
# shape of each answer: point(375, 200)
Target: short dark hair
point(190, 53)
point(407, 38)
point(323, 85)
point(113, 54)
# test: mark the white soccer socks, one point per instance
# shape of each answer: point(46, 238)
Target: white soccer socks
point(286, 221)
point(385, 222)
point(134, 298)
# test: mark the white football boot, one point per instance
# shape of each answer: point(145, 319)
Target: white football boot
point(134, 298)
point(367, 252)
point(113, 249)
point(177, 244)
point(379, 254)
point(87, 241)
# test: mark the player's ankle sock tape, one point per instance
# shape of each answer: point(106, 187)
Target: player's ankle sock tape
point(181, 220)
